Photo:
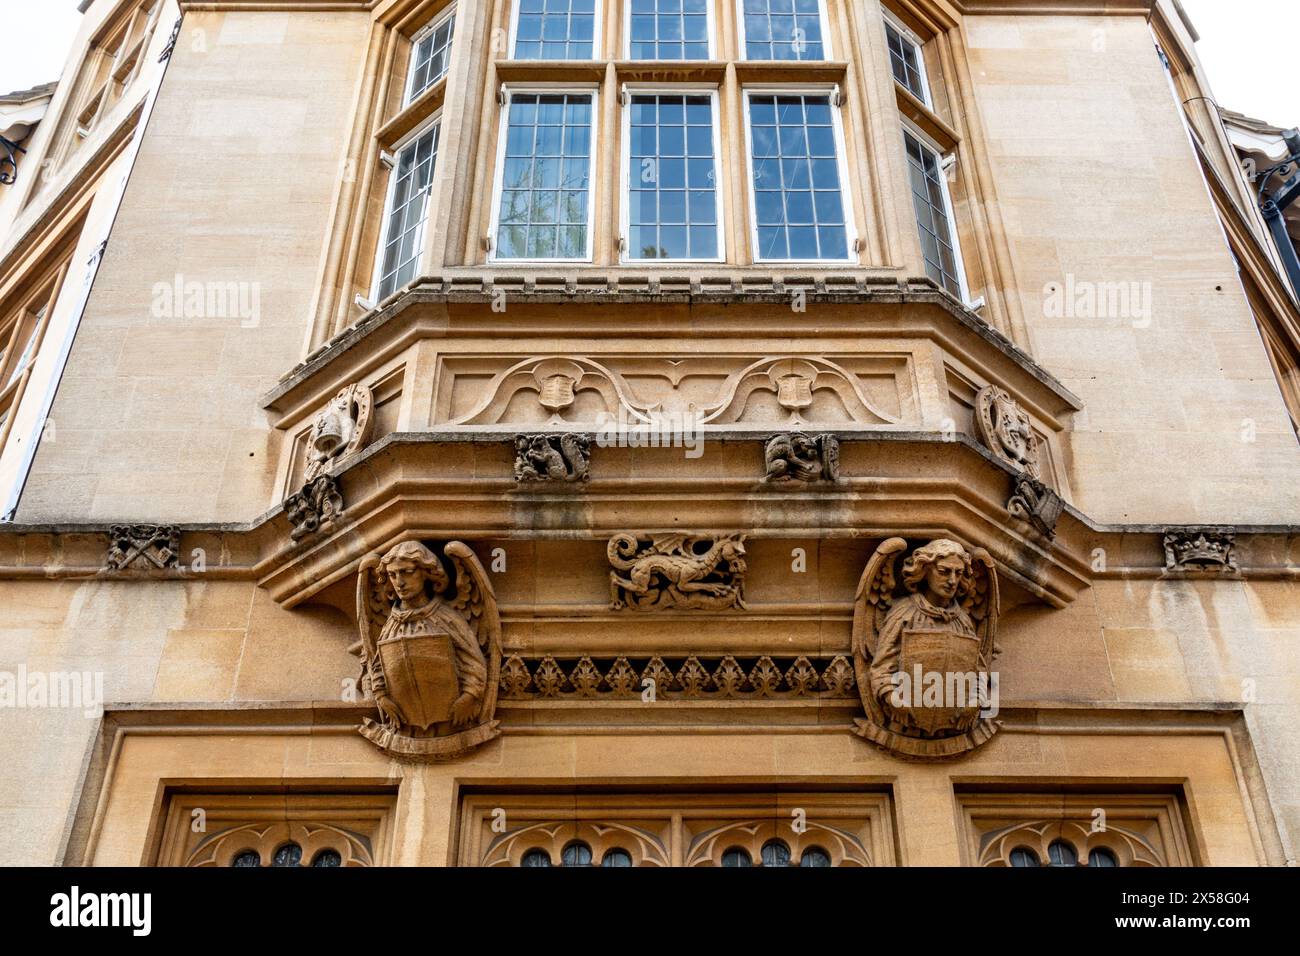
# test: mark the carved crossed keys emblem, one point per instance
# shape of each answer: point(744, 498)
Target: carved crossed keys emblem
point(158, 546)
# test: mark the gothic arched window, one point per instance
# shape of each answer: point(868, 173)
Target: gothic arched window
point(536, 858)
point(576, 853)
point(616, 857)
point(815, 856)
point(1061, 853)
point(736, 857)
point(1023, 856)
point(327, 858)
point(1102, 857)
point(289, 854)
point(775, 853)
point(249, 858)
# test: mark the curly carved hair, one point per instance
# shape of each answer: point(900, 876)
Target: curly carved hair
point(918, 563)
point(419, 555)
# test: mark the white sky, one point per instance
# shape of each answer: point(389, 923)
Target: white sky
point(1247, 46)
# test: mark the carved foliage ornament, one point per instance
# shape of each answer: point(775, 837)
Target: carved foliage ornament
point(677, 571)
point(341, 428)
point(796, 455)
point(144, 546)
point(1006, 430)
point(923, 650)
point(431, 650)
point(552, 457)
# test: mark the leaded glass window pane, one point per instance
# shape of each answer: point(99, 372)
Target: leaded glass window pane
point(555, 30)
point(576, 854)
point(535, 858)
point(799, 202)
point(672, 178)
point(669, 29)
point(1102, 857)
point(288, 855)
point(930, 202)
point(1061, 853)
point(431, 58)
point(545, 182)
point(736, 857)
point(783, 30)
point(408, 212)
point(327, 858)
point(775, 853)
point(905, 61)
point(616, 858)
point(247, 859)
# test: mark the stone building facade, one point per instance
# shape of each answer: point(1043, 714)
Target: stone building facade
point(563, 432)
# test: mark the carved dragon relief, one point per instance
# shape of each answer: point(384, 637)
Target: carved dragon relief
point(676, 571)
point(567, 391)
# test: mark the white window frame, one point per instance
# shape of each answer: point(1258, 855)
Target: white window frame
point(597, 34)
point(431, 27)
point(711, 13)
point(430, 211)
point(841, 159)
point(503, 125)
point(625, 158)
point(909, 36)
point(928, 143)
point(828, 51)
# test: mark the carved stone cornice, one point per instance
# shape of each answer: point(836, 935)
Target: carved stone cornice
point(910, 484)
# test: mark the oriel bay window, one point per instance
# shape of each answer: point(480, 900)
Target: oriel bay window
point(672, 208)
point(930, 198)
point(555, 30)
point(670, 29)
point(543, 208)
point(783, 29)
point(799, 198)
point(407, 216)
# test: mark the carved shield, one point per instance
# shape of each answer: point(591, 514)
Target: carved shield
point(420, 670)
point(944, 653)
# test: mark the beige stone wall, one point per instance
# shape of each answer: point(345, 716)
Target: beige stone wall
point(158, 416)
point(1097, 183)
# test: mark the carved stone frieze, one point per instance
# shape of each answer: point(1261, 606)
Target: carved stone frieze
point(772, 390)
point(316, 507)
point(565, 457)
point(1006, 430)
point(1200, 550)
point(698, 676)
point(340, 428)
point(923, 648)
point(431, 650)
point(677, 571)
point(143, 546)
point(802, 457)
point(1036, 503)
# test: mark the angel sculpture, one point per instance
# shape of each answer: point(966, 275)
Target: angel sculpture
point(430, 650)
point(922, 657)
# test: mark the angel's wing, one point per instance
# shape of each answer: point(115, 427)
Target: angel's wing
point(373, 607)
point(982, 602)
point(475, 599)
point(875, 594)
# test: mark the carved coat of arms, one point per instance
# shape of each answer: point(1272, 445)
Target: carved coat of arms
point(430, 650)
point(923, 647)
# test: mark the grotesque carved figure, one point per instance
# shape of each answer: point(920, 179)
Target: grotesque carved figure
point(1006, 430)
point(317, 506)
point(796, 455)
point(340, 428)
point(676, 571)
point(552, 457)
point(923, 652)
point(431, 650)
